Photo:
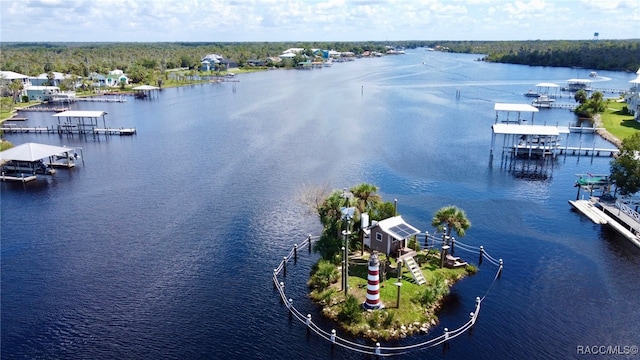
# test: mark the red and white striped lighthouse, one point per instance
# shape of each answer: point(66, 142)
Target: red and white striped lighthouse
point(373, 284)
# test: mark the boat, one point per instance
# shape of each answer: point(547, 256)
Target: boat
point(543, 101)
point(593, 74)
point(574, 85)
point(531, 93)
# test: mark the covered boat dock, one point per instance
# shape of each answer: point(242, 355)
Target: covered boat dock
point(525, 139)
point(83, 122)
point(514, 113)
point(24, 162)
point(145, 91)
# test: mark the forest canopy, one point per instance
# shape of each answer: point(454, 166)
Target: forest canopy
point(84, 58)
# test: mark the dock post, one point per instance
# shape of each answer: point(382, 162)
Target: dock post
point(344, 278)
point(309, 240)
point(481, 255)
point(446, 339)
point(579, 148)
point(333, 337)
point(284, 265)
point(295, 252)
point(275, 274)
point(443, 254)
point(453, 243)
point(308, 324)
point(500, 269)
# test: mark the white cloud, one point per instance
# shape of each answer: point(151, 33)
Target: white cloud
point(328, 20)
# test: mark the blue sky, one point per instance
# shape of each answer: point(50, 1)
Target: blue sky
point(316, 20)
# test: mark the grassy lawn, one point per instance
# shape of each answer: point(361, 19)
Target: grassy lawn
point(392, 322)
point(619, 125)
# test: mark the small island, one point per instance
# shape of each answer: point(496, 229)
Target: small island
point(407, 277)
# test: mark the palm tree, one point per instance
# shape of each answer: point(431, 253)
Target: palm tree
point(16, 87)
point(454, 219)
point(580, 96)
point(366, 196)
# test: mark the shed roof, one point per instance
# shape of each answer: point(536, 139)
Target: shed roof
point(146, 87)
point(515, 107)
point(32, 152)
point(12, 75)
point(520, 129)
point(78, 113)
point(397, 227)
point(549, 85)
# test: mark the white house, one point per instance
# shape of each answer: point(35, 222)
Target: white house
point(57, 79)
point(114, 80)
point(42, 93)
point(632, 97)
point(7, 77)
point(291, 53)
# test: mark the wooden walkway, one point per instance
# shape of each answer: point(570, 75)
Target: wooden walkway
point(120, 131)
point(609, 215)
point(25, 130)
point(66, 130)
point(524, 150)
point(22, 178)
point(101, 99)
point(43, 109)
point(578, 151)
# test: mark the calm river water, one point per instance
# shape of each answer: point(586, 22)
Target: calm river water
point(162, 244)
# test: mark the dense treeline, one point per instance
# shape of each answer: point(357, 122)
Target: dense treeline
point(83, 58)
point(617, 55)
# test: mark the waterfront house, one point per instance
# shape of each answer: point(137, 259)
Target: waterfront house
point(7, 77)
point(42, 93)
point(389, 236)
point(55, 79)
point(212, 62)
point(632, 97)
point(209, 62)
point(256, 62)
point(114, 80)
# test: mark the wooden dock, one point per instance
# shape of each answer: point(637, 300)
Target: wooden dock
point(102, 99)
point(120, 131)
point(66, 129)
point(21, 178)
point(26, 130)
point(43, 109)
point(593, 151)
point(588, 209)
point(554, 105)
point(605, 213)
point(528, 150)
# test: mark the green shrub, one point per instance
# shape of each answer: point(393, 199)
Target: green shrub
point(388, 319)
point(471, 269)
point(350, 311)
point(323, 274)
point(433, 291)
point(625, 111)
